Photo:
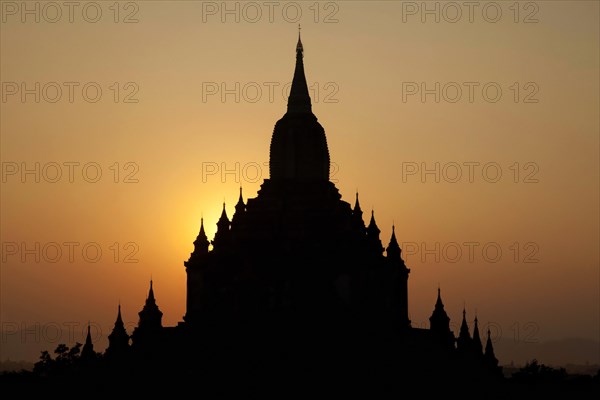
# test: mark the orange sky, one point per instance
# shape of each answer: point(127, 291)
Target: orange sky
point(171, 145)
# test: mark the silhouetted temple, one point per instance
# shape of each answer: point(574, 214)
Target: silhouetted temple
point(295, 283)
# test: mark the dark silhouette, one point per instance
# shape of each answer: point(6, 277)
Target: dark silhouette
point(534, 372)
point(296, 287)
point(295, 295)
point(118, 341)
point(87, 352)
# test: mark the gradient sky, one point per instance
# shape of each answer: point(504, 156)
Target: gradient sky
point(362, 59)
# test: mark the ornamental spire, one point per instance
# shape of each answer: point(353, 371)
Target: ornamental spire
point(489, 349)
point(201, 243)
point(150, 294)
point(240, 207)
point(464, 337)
point(223, 233)
point(150, 316)
point(87, 351)
point(299, 45)
point(393, 250)
point(299, 100)
point(224, 215)
point(439, 320)
point(372, 229)
point(118, 340)
point(439, 303)
point(119, 320)
point(357, 209)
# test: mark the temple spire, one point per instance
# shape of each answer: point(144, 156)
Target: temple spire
point(464, 327)
point(223, 222)
point(240, 207)
point(118, 339)
point(357, 205)
point(299, 100)
point(150, 315)
point(357, 215)
point(150, 294)
point(372, 229)
point(119, 320)
point(372, 221)
point(223, 231)
point(224, 214)
point(201, 238)
point(464, 337)
point(240, 210)
point(87, 351)
point(150, 324)
point(439, 323)
point(202, 232)
point(200, 244)
point(489, 356)
point(241, 199)
point(393, 250)
point(298, 149)
point(88, 338)
point(438, 303)
point(373, 235)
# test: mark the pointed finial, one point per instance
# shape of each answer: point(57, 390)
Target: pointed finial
point(201, 223)
point(119, 318)
point(438, 302)
point(151, 292)
point(299, 47)
point(240, 207)
point(299, 98)
point(88, 339)
point(357, 204)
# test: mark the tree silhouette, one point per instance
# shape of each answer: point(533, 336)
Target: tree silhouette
point(534, 372)
point(66, 360)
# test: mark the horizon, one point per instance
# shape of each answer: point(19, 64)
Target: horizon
point(494, 200)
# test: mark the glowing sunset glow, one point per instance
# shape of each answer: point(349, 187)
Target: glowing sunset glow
point(496, 200)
